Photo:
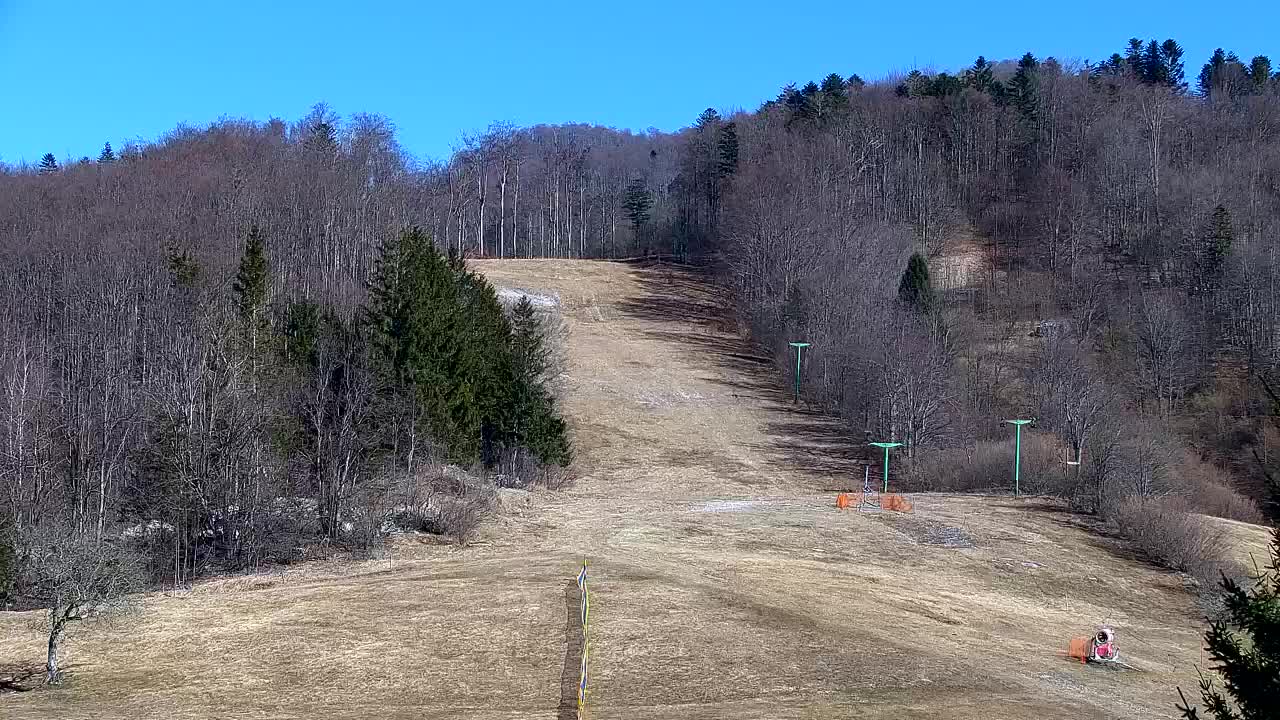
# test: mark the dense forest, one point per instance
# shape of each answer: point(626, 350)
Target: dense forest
point(205, 327)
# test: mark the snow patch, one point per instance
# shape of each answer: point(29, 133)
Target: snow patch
point(511, 296)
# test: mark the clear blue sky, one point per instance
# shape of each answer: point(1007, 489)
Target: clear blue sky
point(75, 74)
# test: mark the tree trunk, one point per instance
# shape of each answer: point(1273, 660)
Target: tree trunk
point(57, 629)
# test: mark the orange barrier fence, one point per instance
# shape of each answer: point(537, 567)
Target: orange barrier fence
point(897, 503)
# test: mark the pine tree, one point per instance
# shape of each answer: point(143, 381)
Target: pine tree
point(727, 150)
point(251, 281)
point(1210, 72)
point(1152, 67)
point(1174, 71)
point(916, 287)
point(1135, 59)
point(1223, 74)
point(1260, 72)
point(834, 96)
point(1024, 88)
point(709, 119)
point(979, 76)
point(535, 424)
point(413, 320)
point(856, 83)
point(107, 155)
point(1218, 244)
point(636, 203)
point(1245, 649)
point(48, 163)
point(301, 333)
point(322, 142)
point(183, 269)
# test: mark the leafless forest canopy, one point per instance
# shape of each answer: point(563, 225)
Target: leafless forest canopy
point(1103, 247)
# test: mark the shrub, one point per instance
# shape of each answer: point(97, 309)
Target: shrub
point(1167, 532)
point(8, 568)
point(988, 465)
point(1207, 493)
point(453, 504)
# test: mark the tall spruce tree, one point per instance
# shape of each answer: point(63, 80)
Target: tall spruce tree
point(727, 150)
point(48, 163)
point(980, 76)
point(636, 203)
point(534, 423)
point(251, 282)
point(107, 156)
point(1135, 58)
point(1024, 88)
point(1174, 69)
point(916, 288)
point(1260, 72)
point(1218, 244)
point(413, 322)
point(1245, 648)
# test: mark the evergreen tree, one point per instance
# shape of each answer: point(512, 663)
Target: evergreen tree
point(1260, 72)
point(916, 288)
point(1218, 243)
point(1173, 70)
point(980, 76)
point(535, 425)
point(709, 119)
point(856, 83)
point(1024, 88)
point(107, 155)
point(944, 84)
point(414, 322)
point(802, 103)
point(301, 333)
point(727, 150)
point(1210, 71)
point(834, 98)
point(1245, 648)
point(48, 163)
point(251, 281)
point(323, 140)
point(915, 85)
point(1112, 66)
point(183, 269)
point(1152, 70)
point(1224, 74)
point(636, 203)
point(1135, 59)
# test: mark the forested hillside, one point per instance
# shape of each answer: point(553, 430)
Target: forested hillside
point(204, 325)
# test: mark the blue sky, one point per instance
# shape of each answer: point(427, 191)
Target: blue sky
point(76, 74)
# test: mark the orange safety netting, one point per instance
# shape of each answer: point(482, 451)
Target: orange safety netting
point(895, 502)
point(1078, 649)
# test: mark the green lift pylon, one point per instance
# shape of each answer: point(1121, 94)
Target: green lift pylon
point(799, 346)
point(886, 446)
point(1017, 455)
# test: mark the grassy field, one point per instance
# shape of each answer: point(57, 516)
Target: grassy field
point(725, 582)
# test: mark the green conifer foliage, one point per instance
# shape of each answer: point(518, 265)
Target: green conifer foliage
point(1245, 649)
point(252, 279)
point(916, 288)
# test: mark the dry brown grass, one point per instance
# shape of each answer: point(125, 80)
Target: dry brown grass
point(725, 583)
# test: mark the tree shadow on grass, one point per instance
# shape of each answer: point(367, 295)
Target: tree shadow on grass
point(574, 645)
point(692, 312)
